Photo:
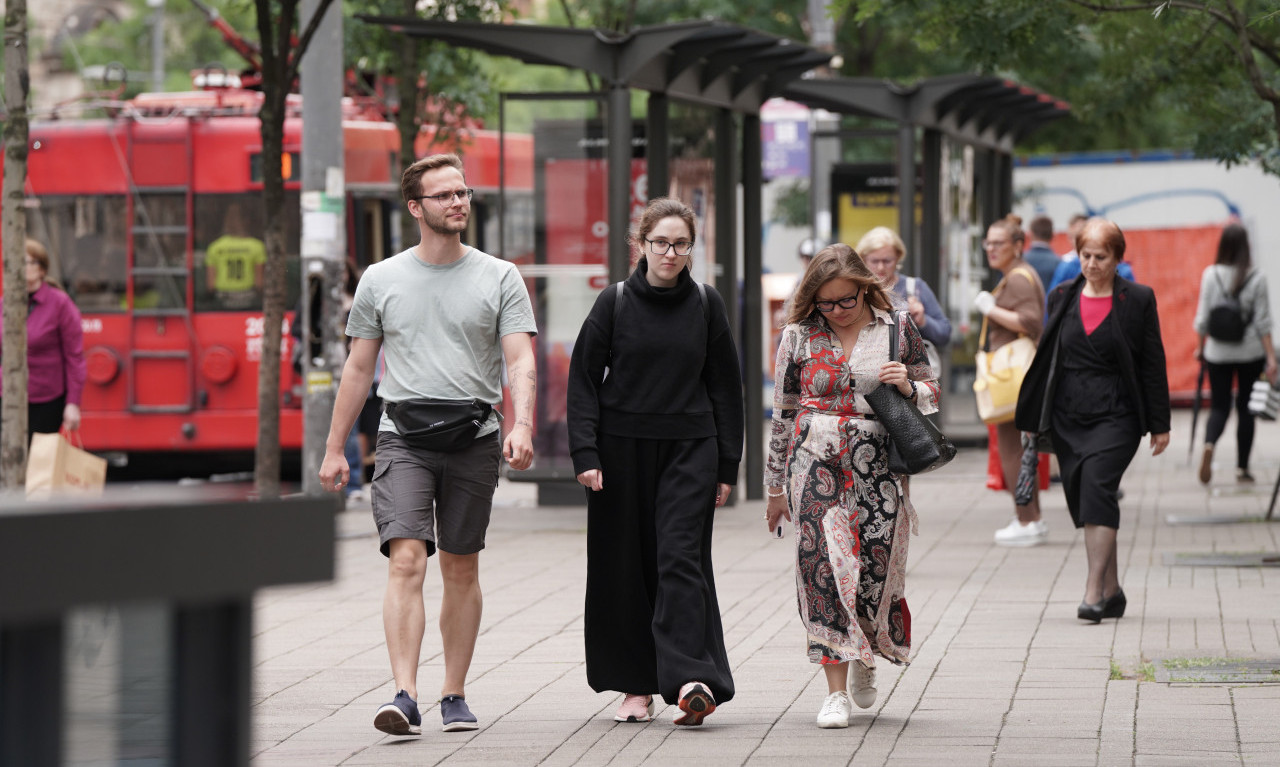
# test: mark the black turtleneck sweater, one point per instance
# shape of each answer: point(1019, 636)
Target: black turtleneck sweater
point(671, 373)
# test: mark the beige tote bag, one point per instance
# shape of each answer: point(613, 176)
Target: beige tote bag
point(55, 466)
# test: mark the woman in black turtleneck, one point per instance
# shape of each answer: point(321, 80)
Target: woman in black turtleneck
point(655, 431)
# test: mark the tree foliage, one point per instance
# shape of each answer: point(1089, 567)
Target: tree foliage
point(430, 82)
point(191, 43)
point(1138, 74)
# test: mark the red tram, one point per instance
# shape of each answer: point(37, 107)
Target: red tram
point(133, 208)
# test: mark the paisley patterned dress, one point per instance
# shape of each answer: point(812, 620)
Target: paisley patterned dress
point(851, 515)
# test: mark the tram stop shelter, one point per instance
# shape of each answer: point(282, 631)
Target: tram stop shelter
point(700, 141)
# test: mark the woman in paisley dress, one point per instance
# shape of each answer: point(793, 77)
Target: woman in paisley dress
point(828, 472)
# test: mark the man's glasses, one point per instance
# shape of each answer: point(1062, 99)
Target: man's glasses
point(848, 302)
point(660, 247)
point(447, 198)
point(993, 244)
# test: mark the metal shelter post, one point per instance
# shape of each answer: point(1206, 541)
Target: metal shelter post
point(929, 265)
point(907, 193)
point(324, 241)
point(657, 157)
point(619, 133)
point(753, 298)
point(726, 209)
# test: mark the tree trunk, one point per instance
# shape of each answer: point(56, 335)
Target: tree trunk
point(13, 416)
point(407, 122)
point(266, 468)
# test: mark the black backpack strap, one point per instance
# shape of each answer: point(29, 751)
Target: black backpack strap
point(706, 310)
point(617, 300)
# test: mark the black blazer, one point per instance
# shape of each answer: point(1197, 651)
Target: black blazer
point(1142, 365)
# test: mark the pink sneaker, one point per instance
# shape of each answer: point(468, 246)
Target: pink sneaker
point(696, 703)
point(635, 708)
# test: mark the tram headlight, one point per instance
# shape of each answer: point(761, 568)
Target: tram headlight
point(218, 364)
point(102, 365)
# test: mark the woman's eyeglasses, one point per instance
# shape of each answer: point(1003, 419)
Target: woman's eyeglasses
point(848, 302)
point(660, 247)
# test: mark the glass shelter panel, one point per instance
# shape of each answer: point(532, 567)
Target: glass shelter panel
point(964, 274)
point(692, 146)
point(555, 227)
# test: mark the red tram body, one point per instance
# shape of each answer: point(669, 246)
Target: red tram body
point(130, 207)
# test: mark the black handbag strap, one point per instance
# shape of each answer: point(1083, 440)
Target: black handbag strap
point(893, 339)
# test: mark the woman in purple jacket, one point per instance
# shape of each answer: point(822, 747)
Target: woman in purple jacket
point(55, 349)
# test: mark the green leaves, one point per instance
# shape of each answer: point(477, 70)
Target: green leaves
point(1137, 75)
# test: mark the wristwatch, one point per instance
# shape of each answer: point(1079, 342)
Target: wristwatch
point(912, 395)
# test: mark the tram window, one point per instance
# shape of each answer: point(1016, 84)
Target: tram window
point(231, 256)
point(159, 292)
point(87, 247)
point(160, 230)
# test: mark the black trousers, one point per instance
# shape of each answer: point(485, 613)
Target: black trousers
point(45, 417)
point(652, 622)
point(1220, 379)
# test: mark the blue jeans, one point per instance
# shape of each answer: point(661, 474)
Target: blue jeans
point(352, 452)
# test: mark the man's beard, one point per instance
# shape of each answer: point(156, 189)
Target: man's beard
point(444, 226)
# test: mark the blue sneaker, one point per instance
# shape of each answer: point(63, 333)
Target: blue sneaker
point(399, 717)
point(456, 715)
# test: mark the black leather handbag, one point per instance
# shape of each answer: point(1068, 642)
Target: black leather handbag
point(915, 444)
point(443, 425)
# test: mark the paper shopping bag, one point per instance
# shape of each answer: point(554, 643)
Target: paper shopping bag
point(54, 465)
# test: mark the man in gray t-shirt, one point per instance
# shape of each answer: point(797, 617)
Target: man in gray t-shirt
point(446, 316)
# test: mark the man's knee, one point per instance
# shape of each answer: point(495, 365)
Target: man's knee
point(407, 558)
point(460, 570)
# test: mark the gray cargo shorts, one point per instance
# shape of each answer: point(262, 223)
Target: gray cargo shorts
point(441, 498)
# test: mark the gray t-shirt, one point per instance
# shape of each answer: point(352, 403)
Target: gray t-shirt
point(441, 325)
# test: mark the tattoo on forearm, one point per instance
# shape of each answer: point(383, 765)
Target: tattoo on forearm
point(524, 385)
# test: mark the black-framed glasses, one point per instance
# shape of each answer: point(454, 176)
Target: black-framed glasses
point(447, 198)
point(660, 247)
point(848, 302)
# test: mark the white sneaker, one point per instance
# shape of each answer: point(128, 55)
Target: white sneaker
point(835, 711)
point(862, 681)
point(695, 704)
point(1018, 534)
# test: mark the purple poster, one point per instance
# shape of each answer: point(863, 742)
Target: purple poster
point(784, 133)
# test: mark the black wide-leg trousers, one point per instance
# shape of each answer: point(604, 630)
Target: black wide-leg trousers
point(652, 621)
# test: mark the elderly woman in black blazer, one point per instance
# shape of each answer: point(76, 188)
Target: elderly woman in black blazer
point(1097, 385)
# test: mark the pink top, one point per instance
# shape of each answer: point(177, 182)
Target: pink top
point(1093, 311)
point(55, 346)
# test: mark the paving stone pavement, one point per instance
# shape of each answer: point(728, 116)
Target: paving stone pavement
point(1002, 672)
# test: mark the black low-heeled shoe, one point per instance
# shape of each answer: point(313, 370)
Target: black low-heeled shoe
point(1091, 613)
point(1113, 606)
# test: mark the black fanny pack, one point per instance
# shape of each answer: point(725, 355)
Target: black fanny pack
point(444, 425)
